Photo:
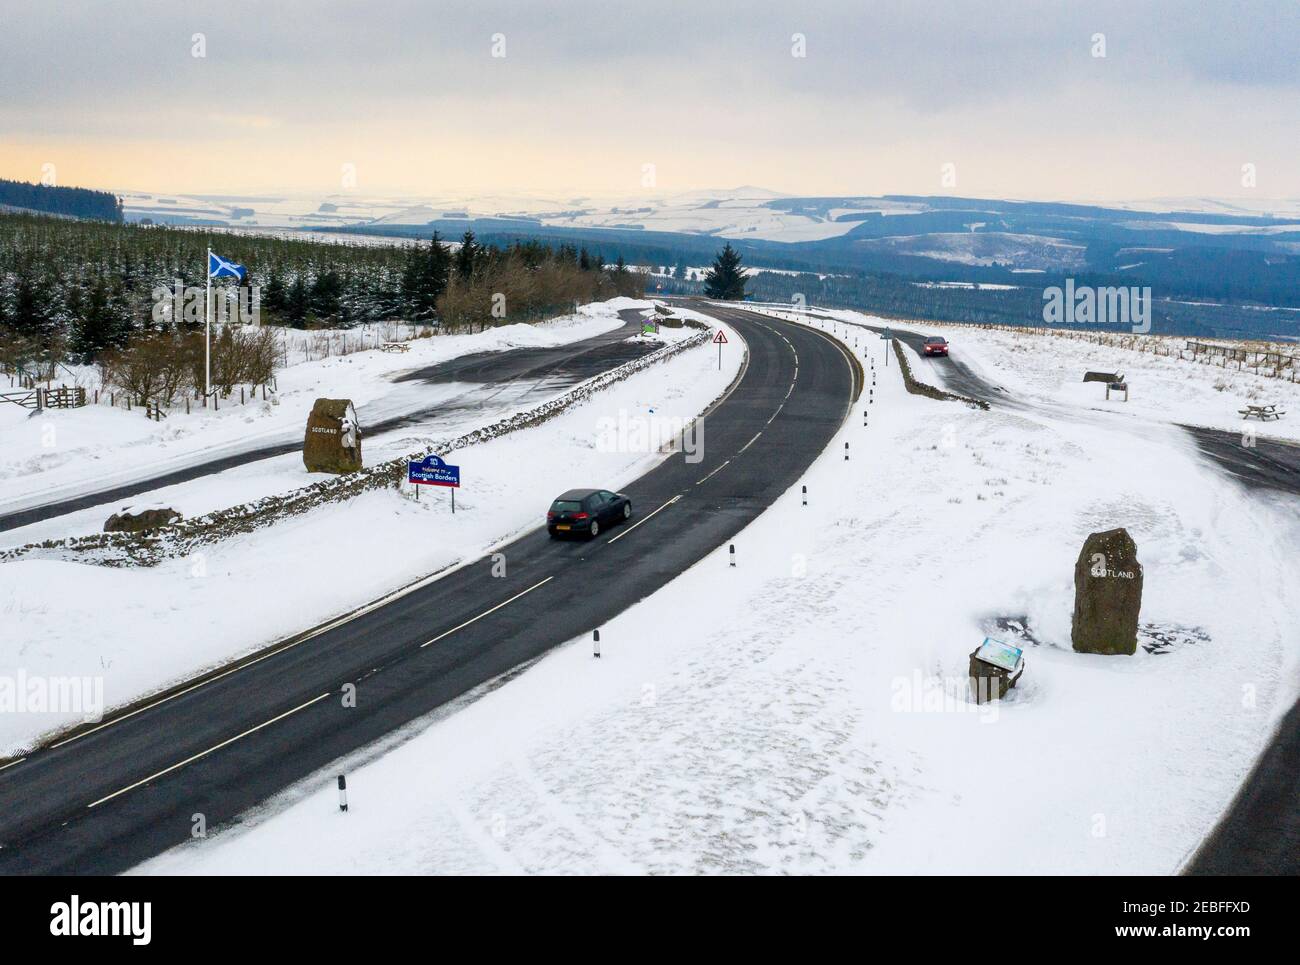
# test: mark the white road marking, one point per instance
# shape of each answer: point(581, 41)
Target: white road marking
point(750, 442)
point(224, 743)
point(486, 612)
point(714, 473)
point(776, 413)
point(311, 635)
point(12, 763)
point(646, 519)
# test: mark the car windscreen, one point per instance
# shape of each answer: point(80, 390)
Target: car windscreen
point(566, 506)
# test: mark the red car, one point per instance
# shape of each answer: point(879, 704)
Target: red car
point(935, 345)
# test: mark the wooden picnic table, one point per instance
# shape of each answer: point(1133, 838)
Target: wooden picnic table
point(1261, 412)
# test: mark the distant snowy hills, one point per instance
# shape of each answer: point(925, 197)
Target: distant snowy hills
point(1024, 234)
point(1194, 253)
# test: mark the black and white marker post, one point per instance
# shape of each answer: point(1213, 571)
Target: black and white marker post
point(343, 793)
point(595, 644)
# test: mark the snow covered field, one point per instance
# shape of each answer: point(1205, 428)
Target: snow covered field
point(808, 713)
point(1048, 370)
point(53, 454)
point(143, 629)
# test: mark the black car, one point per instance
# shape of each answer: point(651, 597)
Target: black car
point(586, 512)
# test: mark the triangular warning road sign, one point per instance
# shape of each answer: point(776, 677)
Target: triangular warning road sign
point(720, 338)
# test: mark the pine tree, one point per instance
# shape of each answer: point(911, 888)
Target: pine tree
point(32, 311)
point(90, 320)
point(326, 292)
point(273, 295)
point(298, 300)
point(725, 279)
point(424, 278)
point(467, 256)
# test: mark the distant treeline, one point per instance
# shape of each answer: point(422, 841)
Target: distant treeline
point(70, 202)
point(903, 298)
point(1198, 291)
point(80, 287)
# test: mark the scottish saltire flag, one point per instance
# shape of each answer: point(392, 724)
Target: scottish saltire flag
point(218, 267)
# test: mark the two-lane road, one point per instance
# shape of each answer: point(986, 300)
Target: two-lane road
point(126, 791)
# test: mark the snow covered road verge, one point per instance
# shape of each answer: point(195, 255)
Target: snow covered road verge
point(187, 536)
point(1048, 369)
point(59, 452)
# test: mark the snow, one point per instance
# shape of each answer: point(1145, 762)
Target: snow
point(51, 455)
point(1047, 370)
point(808, 713)
point(142, 629)
point(985, 248)
point(727, 213)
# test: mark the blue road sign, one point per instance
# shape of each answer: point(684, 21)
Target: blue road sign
point(432, 471)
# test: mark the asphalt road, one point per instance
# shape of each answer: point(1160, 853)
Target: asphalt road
point(957, 376)
point(556, 367)
point(128, 790)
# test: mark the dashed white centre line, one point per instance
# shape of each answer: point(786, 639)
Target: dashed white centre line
point(714, 473)
point(749, 443)
point(646, 519)
point(462, 626)
point(217, 747)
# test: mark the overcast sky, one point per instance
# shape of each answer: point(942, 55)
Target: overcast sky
point(587, 94)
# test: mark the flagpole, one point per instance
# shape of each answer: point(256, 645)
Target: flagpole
point(207, 332)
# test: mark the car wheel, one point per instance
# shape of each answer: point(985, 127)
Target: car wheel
point(627, 510)
point(594, 529)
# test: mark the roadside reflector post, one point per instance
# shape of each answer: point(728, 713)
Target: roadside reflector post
point(805, 495)
point(595, 644)
point(871, 395)
point(846, 452)
point(733, 554)
point(343, 793)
